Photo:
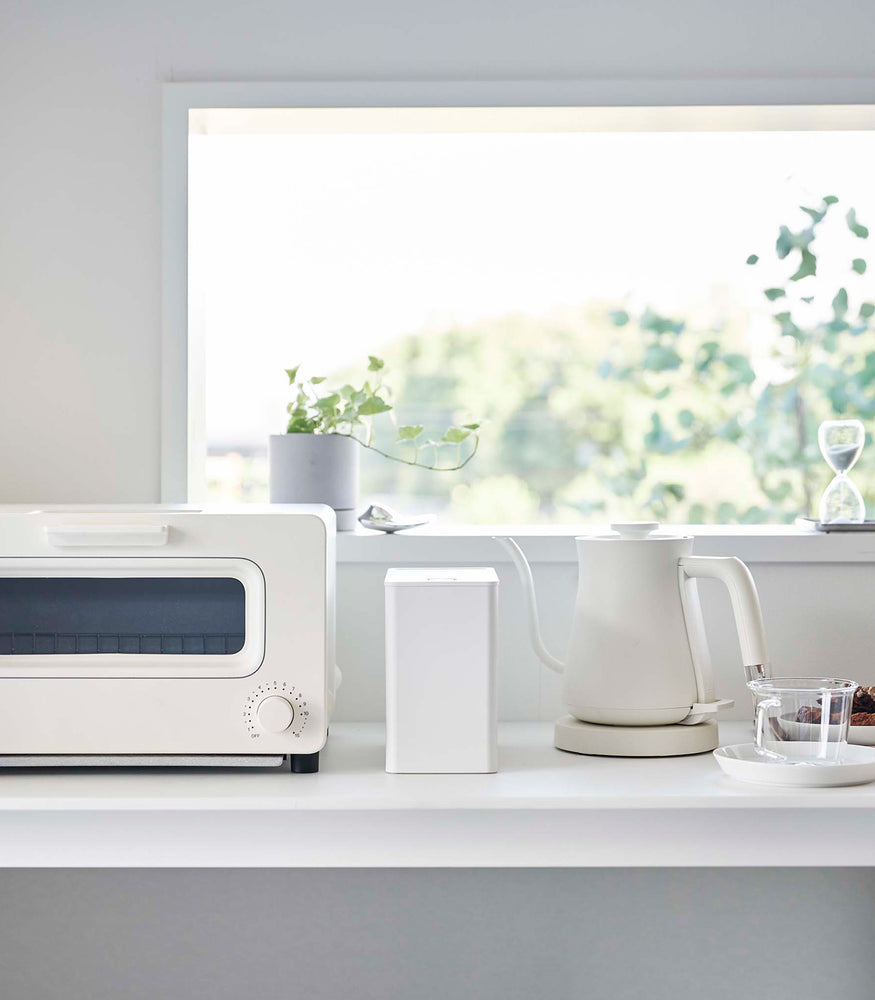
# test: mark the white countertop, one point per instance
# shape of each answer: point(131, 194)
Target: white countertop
point(543, 808)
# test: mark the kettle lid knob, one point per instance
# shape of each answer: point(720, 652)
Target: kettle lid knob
point(634, 529)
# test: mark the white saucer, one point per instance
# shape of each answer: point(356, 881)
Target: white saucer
point(855, 767)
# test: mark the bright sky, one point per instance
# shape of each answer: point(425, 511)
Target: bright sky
point(323, 248)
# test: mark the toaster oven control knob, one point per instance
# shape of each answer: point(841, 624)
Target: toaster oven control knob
point(275, 714)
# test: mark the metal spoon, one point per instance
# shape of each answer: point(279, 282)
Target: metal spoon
point(379, 518)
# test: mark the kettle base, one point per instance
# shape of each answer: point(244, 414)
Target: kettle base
point(633, 741)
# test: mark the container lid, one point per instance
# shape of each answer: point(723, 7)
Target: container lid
point(442, 576)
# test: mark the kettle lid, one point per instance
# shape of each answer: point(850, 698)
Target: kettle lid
point(634, 529)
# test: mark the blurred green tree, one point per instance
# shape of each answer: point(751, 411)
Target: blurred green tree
point(824, 361)
point(607, 412)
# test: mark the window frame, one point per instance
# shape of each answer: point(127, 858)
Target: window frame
point(664, 105)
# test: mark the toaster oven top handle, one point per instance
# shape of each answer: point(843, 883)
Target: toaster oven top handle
point(101, 535)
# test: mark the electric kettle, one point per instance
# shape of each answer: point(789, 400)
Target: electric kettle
point(638, 679)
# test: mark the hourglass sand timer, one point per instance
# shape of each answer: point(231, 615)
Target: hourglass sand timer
point(841, 442)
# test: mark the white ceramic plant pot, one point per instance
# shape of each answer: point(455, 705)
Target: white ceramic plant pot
point(316, 468)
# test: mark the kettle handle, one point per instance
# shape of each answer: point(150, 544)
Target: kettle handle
point(745, 606)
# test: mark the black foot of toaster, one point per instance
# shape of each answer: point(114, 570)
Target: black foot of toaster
point(304, 763)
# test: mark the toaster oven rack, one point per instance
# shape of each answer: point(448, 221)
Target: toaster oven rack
point(60, 643)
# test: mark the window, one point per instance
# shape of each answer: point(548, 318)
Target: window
point(631, 300)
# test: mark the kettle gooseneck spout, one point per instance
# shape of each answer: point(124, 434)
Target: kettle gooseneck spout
point(525, 574)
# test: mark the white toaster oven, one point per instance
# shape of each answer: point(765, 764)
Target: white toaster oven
point(168, 635)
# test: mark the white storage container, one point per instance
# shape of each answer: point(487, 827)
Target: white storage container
point(441, 714)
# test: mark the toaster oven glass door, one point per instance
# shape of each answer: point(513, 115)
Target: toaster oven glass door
point(131, 618)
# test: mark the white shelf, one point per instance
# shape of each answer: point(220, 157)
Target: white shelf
point(544, 808)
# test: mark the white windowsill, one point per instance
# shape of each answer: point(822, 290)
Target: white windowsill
point(553, 543)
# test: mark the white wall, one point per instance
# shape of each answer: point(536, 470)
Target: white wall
point(80, 293)
point(820, 620)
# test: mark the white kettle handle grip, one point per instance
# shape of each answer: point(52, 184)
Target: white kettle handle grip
point(745, 605)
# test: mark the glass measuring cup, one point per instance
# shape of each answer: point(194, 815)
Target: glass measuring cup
point(802, 720)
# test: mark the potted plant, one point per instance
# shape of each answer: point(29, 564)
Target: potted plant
point(317, 459)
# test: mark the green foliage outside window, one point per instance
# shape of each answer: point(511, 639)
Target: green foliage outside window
point(607, 412)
